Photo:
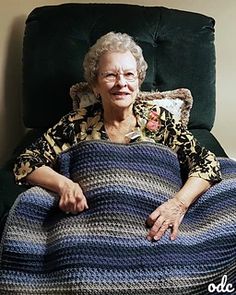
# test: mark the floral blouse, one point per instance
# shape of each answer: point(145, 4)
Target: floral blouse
point(153, 124)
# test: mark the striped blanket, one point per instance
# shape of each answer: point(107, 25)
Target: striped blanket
point(104, 249)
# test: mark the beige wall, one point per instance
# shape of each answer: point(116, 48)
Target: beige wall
point(13, 14)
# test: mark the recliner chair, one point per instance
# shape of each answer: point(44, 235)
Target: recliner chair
point(177, 45)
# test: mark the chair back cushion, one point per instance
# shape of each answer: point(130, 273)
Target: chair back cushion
point(177, 45)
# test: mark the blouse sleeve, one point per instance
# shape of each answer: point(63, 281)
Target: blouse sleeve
point(199, 161)
point(46, 149)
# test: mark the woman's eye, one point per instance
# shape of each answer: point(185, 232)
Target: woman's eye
point(129, 75)
point(110, 75)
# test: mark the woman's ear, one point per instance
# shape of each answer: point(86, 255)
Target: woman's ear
point(140, 82)
point(95, 91)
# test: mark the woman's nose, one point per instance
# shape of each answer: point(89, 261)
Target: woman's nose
point(121, 81)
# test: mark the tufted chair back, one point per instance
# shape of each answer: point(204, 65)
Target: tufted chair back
point(177, 45)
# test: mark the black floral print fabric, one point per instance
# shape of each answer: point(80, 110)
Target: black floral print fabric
point(153, 124)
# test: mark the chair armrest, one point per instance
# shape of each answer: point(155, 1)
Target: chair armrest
point(9, 190)
point(207, 139)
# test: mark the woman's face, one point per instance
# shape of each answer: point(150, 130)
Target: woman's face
point(117, 80)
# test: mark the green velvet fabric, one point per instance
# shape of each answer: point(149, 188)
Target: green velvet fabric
point(178, 46)
point(9, 190)
point(208, 140)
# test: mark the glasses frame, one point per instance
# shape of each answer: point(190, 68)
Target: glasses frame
point(111, 77)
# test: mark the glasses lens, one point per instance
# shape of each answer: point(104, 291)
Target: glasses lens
point(112, 76)
point(130, 76)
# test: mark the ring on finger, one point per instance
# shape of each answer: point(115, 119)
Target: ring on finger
point(165, 224)
point(164, 227)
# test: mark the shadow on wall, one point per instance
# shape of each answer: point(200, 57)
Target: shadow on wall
point(12, 128)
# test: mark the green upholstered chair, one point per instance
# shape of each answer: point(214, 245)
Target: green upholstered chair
point(178, 46)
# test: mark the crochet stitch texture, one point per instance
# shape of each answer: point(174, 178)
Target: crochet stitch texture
point(104, 249)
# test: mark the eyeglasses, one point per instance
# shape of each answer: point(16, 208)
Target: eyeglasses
point(129, 76)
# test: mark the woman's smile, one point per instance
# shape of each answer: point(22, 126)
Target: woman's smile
point(121, 94)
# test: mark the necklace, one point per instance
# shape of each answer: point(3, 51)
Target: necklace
point(119, 132)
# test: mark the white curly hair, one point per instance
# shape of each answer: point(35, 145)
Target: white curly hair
point(112, 42)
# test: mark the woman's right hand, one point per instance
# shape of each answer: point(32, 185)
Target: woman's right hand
point(71, 195)
point(72, 198)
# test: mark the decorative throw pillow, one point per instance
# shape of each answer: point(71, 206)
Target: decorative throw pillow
point(178, 101)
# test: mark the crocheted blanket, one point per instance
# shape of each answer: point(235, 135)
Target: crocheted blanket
point(104, 249)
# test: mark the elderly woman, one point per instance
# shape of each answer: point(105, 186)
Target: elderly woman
point(115, 69)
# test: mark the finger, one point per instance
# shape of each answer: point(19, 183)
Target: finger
point(155, 228)
point(85, 203)
point(175, 228)
point(81, 202)
point(80, 206)
point(174, 231)
point(63, 204)
point(76, 198)
point(153, 217)
point(161, 231)
point(67, 203)
point(71, 204)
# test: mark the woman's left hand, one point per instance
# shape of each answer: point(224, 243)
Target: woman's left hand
point(168, 215)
